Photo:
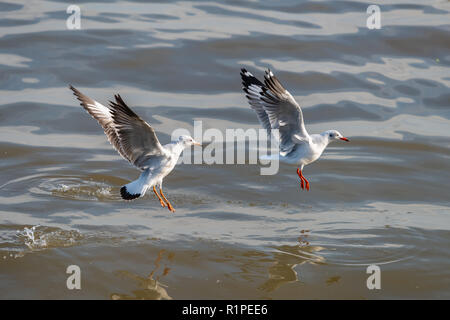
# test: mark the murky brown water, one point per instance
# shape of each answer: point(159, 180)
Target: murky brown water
point(382, 199)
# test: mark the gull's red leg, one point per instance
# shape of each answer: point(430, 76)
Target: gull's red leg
point(299, 172)
point(306, 181)
point(302, 177)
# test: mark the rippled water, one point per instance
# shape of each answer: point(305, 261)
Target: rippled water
point(381, 199)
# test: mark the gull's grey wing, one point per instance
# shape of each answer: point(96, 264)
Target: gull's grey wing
point(103, 116)
point(282, 111)
point(137, 138)
point(132, 137)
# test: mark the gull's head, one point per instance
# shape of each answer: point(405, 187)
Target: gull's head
point(188, 141)
point(334, 135)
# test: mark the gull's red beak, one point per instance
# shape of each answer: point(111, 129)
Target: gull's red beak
point(345, 139)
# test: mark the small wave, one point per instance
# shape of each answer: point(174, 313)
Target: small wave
point(89, 190)
point(85, 188)
point(377, 246)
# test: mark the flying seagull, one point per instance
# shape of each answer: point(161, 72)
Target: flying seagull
point(277, 109)
point(136, 141)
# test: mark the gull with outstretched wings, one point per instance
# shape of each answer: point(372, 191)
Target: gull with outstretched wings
point(136, 141)
point(277, 109)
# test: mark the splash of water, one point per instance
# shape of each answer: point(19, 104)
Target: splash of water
point(31, 239)
point(40, 237)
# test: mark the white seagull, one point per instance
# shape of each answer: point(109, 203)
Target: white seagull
point(136, 141)
point(277, 109)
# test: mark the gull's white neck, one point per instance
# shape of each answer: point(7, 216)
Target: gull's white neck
point(176, 147)
point(321, 141)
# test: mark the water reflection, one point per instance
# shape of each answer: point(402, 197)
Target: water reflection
point(149, 288)
point(287, 259)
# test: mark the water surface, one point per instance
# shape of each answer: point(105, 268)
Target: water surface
point(381, 199)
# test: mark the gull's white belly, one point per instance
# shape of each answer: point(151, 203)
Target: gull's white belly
point(158, 171)
point(304, 154)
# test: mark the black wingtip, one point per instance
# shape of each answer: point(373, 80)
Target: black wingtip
point(77, 94)
point(71, 87)
point(119, 99)
point(248, 79)
point(128, 196)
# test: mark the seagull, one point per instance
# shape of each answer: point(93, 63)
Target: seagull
point(136, 141)
point(277, 109)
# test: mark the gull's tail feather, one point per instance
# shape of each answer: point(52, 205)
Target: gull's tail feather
point(136, 188)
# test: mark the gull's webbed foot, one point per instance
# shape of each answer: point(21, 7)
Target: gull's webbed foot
point(159, 198)
point(307, 184)
point(304, 183)
point(169, 205)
